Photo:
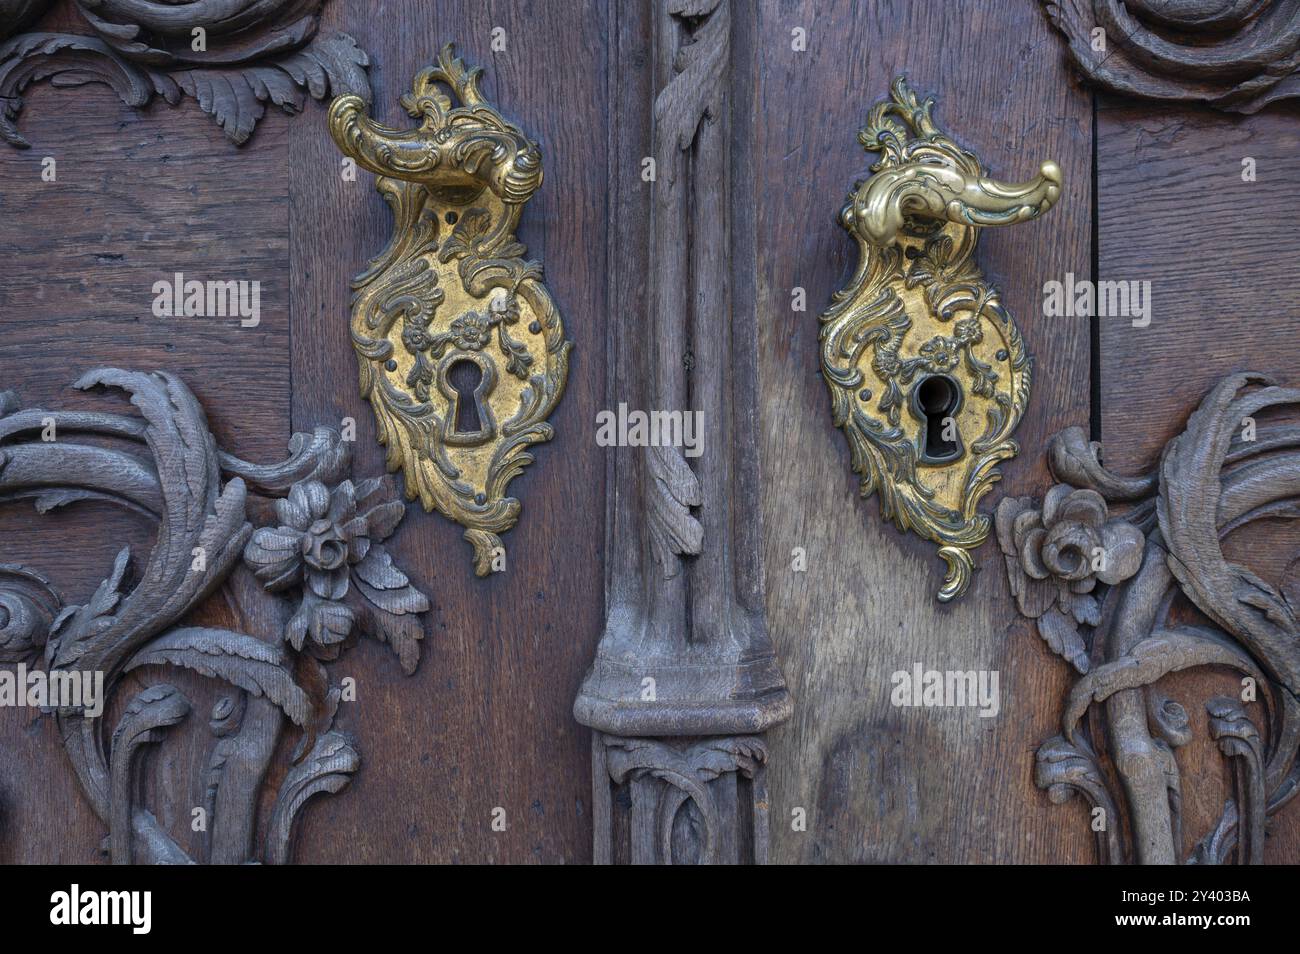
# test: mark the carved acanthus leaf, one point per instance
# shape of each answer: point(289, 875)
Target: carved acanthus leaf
point(1231, 595)
point(152, 710)
point(674, 530)
point(1197, 503)
point(694, 94)
point(250, 54)
point(327, 769)
point(247, 662)
point(1161, 653)
point(127, 624)
point(1076, 460)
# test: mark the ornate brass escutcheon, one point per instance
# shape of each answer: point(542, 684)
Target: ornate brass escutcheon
point(927, 372)
point(462, 352)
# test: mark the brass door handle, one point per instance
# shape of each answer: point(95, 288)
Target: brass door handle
point(461, 349)
point(927, 371)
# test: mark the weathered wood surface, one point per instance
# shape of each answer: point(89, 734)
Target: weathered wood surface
point(881, 783)
point(1174, 210)
point(1233, 56)
point(486, 721)
point(139, 195)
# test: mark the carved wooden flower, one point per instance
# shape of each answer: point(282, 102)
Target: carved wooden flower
point(329, 542)
point(1057, 554)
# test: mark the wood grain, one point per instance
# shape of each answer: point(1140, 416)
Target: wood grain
point(880, 783)
point(486, 721)
point(1174, 210)
point(139, 195)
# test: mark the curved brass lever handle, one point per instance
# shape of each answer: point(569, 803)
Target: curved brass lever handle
point(927, 189)
point(462, 351)
point(468, 145)
point(927, 372)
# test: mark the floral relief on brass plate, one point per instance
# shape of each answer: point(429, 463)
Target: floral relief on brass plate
point(927, 371)
point(462, 351)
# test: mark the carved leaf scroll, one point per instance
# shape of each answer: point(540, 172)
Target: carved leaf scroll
point(1210, 482)
point(1236, 56)
point(170, 469)
point(241, 660)
point(250, 53)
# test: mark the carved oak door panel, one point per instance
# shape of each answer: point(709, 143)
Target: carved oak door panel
point(1167, 198)
point(462, 744)
point(671, 656)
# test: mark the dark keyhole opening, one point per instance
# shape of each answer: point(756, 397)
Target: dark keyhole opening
point(937, 398)
point(465, 376)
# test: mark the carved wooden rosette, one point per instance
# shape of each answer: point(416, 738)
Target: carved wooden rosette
point(918, 325)
point(461, 349)
point(1110, 617)
point(231, 56)
point(1237, 55)
point(685, 676)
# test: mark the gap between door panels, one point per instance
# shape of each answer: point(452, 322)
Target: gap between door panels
point(1094, 323)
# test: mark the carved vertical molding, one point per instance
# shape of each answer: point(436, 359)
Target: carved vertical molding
point(685, 677)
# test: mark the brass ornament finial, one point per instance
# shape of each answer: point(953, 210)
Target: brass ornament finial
point(927, 372)
point(462, 351)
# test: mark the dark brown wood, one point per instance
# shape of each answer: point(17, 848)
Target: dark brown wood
point(1174, 210)
point(485, 723)
point(139, 196)
point(1237, 56)
point(685, 651)
point(233, 59)
point(1119, 574)
point(321, 545)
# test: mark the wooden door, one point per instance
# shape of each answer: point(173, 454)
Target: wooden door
point(696, 159)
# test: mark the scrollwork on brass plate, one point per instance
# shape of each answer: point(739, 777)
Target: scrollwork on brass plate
point(462, 351)
point(927, 371)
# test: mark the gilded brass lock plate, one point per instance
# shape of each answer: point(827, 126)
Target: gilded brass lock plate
point(927, 371)
point(462, 351)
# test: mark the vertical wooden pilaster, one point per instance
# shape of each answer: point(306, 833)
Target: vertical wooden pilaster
point(685, 677)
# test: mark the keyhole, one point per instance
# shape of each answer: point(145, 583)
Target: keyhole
point(465, 377)
point(936, 401)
